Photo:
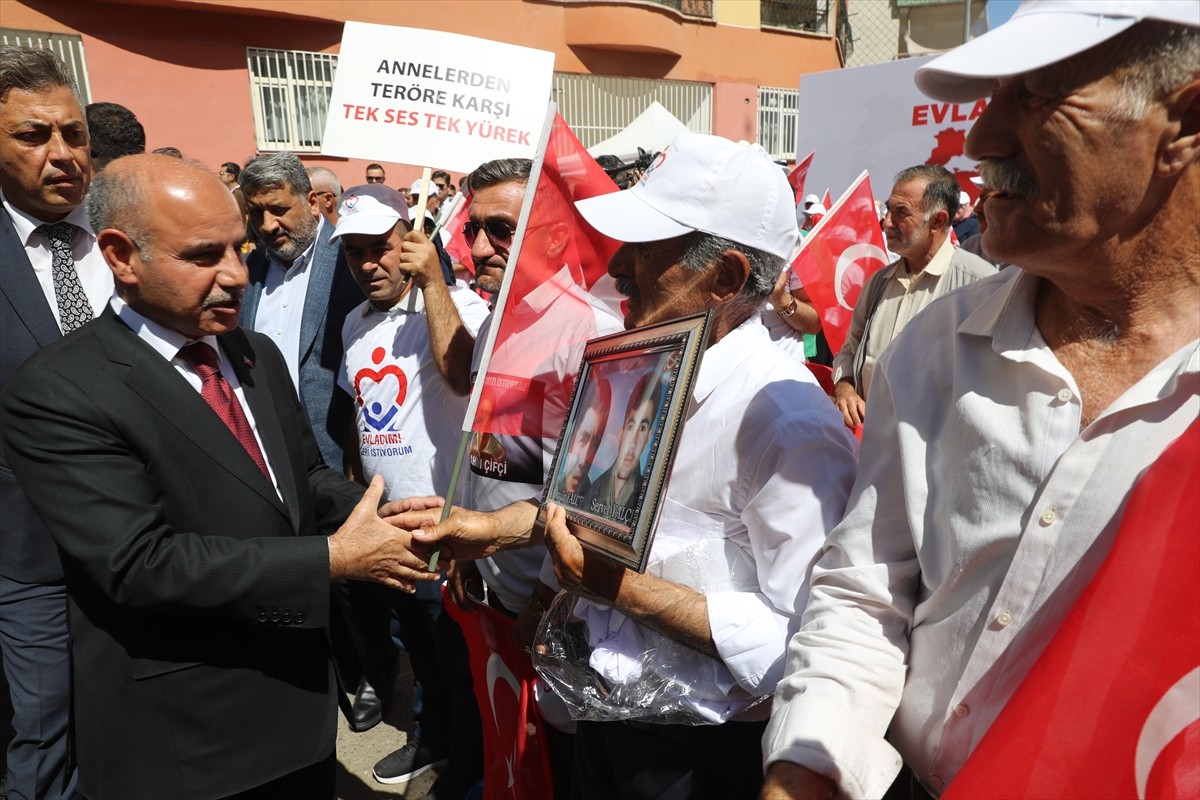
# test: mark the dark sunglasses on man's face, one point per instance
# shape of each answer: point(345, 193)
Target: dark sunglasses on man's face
point(500, 234)
point(374, 179)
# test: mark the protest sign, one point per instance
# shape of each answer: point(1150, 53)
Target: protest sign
point(426, 97)
point(875, 118)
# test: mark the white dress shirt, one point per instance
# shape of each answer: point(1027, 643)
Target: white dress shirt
point(280, 311)
point(762, 472)
point(167, 343)
point(94, 274)
point(980, 513)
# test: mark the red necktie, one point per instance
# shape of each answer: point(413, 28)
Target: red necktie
point(217, 392)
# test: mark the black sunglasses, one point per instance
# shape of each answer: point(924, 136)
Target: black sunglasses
point(500, 234)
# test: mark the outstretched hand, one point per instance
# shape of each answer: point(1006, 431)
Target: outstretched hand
point(367, 548)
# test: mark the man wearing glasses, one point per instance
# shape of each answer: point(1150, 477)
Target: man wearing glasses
point(329, 193)
point(375, 173)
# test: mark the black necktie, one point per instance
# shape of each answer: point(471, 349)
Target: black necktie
point(74, 309)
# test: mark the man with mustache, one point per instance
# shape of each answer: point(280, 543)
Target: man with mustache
point(168, 454)
point(917, 224)
point(52, 281)
point(683, 658)
point(1011, 420)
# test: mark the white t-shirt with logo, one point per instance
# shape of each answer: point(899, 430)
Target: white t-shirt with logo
point(407, 418)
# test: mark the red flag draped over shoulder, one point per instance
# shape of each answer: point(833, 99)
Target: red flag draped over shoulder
point(835, 260)
point(1112, 706)
point(559, 295)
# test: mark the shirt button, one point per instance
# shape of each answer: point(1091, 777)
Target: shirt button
point(937, 781)
point(961, 711)
point(1004, 619)
point(1065, 395)
point(1049, 516)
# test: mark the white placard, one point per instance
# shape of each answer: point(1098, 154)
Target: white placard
point(414, 96)
point(875, 118)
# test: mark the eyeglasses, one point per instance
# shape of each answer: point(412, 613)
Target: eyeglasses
point(500, 234)
point(440, 186)
point(374, 179)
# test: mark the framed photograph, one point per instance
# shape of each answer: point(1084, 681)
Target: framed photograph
point(618, 440)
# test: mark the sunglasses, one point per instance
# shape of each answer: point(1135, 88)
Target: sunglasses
point(374, 179)
point(500, 234)
point(440, 186)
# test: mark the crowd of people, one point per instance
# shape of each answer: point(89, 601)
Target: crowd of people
point(232, 397)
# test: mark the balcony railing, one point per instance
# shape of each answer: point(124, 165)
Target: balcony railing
point(689, 8)
point(804, 15)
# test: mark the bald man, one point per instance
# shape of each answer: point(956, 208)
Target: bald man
point(167, 453)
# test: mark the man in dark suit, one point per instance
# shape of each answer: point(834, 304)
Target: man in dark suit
point(299, 293)
point(52, 279)
point(299, 270)
point(168, 455)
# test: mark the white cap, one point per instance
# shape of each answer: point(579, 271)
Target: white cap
point(1041, 32)
point(816, 208)
point(415, 191)
point(809, 199)
point(703, 183)
point(372, 209)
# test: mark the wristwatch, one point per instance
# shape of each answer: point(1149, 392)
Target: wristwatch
point(789, 311)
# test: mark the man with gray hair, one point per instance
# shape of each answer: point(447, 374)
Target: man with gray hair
point(52, 281)
point(917, 223)
point(300, 290)
point(762, 472)
point(1012, 420)
point(329, 192)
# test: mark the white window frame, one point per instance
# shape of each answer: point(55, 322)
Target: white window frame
point(778, 121)
point(289, 94)
point(67, 46)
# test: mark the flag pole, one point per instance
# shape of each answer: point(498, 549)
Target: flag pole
point(489, 344)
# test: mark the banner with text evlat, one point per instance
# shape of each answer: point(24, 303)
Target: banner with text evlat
point(415, 96)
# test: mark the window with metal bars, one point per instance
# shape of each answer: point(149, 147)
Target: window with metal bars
point(290, 92)
point(66, 46)
point(777, 121)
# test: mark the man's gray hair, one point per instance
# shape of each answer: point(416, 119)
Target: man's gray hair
point(502, 170)
point(31, 69)
point(1153, 58)
point(275, 171)
point(117, 199)
point(700, 250)
point(941, 190)
point(326, 179)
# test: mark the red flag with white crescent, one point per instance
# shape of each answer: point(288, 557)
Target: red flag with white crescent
point(516, 760)
point(1112, 706)
point(844, 249)
point(798, 175)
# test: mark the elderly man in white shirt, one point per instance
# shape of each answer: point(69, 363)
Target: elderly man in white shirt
point(1011, 419)
point(761, 475)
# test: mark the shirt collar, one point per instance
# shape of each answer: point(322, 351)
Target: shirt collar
point(937, 266)
point(726, 355)
point(26, 224)
point(166, 342)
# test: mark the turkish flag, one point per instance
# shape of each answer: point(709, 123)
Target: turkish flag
point(826, 200)
point(516, 759)
point(457, 246)
point(844, 249)
point(556, 293)
point(797, 177)
point(1112, 706)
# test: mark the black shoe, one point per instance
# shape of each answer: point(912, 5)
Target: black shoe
point(407, 763)
point(367, 708)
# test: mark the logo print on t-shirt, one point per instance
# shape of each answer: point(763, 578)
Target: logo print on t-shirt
point(382, 406)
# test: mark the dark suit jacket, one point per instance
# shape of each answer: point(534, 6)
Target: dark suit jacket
point(199, 600)
point(27, 551)
point(332, 292)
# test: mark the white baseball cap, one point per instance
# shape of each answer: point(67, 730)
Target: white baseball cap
point(809, 199)
point(372, 209)
point(703, 183)
point(816, 208)
point(1041, 32)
